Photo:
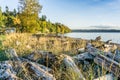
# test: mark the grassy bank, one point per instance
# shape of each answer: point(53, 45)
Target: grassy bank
point(25, 43)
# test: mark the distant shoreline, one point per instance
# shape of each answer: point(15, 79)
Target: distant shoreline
point(95, 30)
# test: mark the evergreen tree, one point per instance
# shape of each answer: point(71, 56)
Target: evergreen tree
point(8, 17)
point(7, 10)
point(43, 18)
point(14, 12)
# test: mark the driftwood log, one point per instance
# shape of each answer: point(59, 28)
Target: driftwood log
point(40, 72)
point(105, 77)
point(70, 64)
point(107, 63)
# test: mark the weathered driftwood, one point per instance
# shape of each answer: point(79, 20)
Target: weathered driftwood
point(7, 72)
point(106, 77)
point(36, 55)
point(117, 56)
point(70, 64)
point(26, 61)
point(13, 54)
point(39, 72)
point(110, 64)
point(83, 56)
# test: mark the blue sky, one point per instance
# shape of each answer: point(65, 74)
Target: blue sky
point(78, 14)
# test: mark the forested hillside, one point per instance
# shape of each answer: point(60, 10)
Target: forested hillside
point(26, 18)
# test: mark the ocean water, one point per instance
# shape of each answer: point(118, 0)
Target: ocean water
point(115, 37)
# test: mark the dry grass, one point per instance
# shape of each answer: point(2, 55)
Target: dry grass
point(24, 43)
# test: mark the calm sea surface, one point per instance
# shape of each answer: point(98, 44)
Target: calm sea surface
point(115, 37)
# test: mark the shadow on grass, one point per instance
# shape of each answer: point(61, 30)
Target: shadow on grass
point(3, 55)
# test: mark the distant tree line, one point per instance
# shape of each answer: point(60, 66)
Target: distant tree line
point(95, 30)
point(26, 19)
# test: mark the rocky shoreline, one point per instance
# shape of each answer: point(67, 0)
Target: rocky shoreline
point(91, 59)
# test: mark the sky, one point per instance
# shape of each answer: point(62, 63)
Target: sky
point(78, 14)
